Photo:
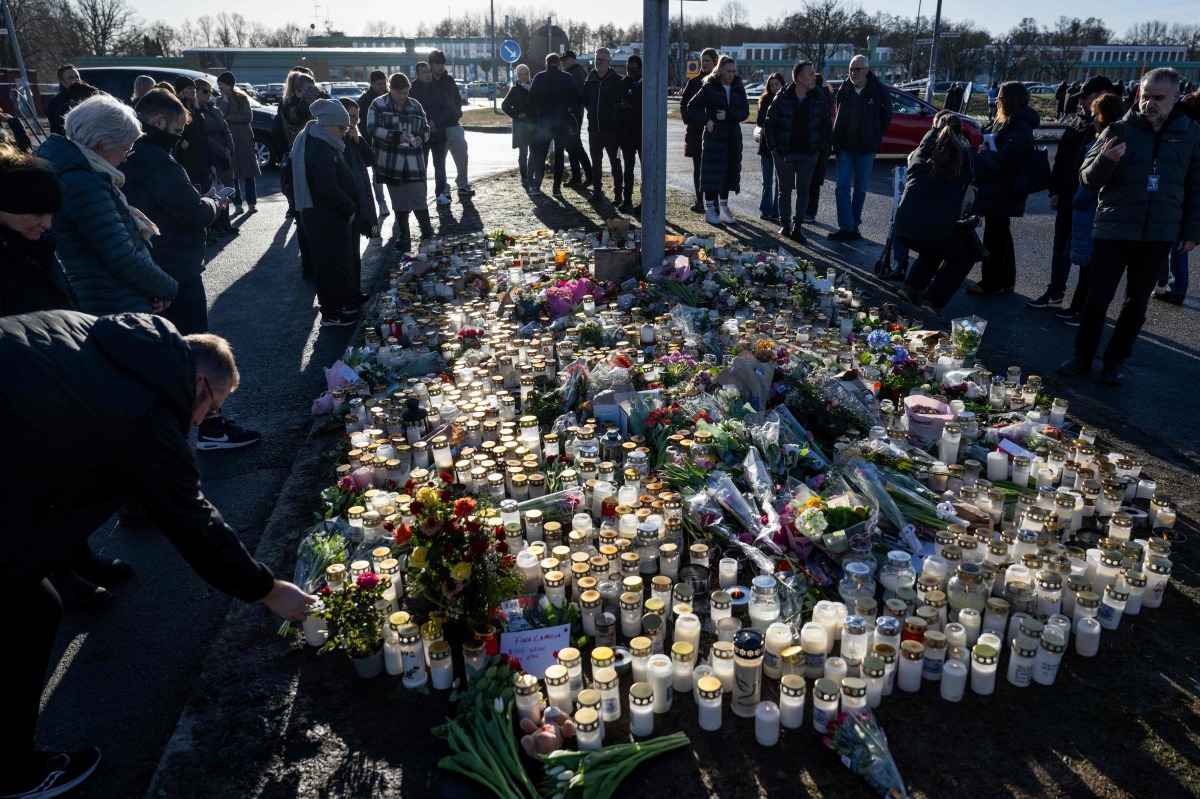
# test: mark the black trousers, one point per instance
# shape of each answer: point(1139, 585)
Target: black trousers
point(630, 147)
point(601, 142)
point(999, 269)
point(941, 266)
point(538, 152)
point(818, 180)
point(581, 165)
point(1139, 262)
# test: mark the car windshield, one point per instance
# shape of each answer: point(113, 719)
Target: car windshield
point(904, 104)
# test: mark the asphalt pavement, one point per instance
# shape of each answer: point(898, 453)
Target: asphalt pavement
point(126, 670)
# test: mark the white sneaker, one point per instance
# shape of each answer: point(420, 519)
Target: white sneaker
point(443, 198)
point(711, 216)
point(727, 217)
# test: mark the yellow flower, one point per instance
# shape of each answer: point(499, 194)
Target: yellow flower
point(813, 502)
point(417, 557)
point(461, 572)
point(427, 495)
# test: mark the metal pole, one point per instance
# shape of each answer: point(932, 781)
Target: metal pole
point(495, 60)
point(912, 57)
point(549, 37)
point(937, 29)
point(16, 47)
point(656, 24)
point(682, 50)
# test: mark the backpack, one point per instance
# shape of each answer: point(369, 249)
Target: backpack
point(1034, 176)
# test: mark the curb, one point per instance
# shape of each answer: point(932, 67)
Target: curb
point(488, 128)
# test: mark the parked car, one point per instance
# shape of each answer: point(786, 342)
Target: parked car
point(249, 89)
point(338, 90)
point(1042, 90)
point(481, 88)
point(271, 93)
point(912, 118)
point(118, 81)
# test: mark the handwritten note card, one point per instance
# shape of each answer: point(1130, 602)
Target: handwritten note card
point(535, 648)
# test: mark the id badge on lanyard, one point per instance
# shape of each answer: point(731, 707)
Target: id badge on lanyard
point(1152, 182)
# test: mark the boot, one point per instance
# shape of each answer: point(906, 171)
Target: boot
point(91, 566)
point(698, 206)
point(75, 590)
point(710, 212)
point(726, 216)
point(426, 226)
point(404, 239)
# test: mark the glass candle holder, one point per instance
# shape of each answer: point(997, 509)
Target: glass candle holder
point(661, 673)
point(826, 694)
point(791, 701)
point(748, 653)
point(984, 658)
point(721, 657)
point(710, 703)
point(954, 680)
point(766, 723)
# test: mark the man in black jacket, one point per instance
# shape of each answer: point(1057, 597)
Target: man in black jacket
point(629, 125)
point(797, 133)
point(130, 386)
point(456, 137)
point(600, 91)
point(1064, 181)
point(58, 106)
point(864, 112)
point(439, 112)
point(581, 165)
point(552, 95)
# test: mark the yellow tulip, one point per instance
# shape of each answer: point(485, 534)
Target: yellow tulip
point(417, 557)
point(427, 495)
point(461, 572)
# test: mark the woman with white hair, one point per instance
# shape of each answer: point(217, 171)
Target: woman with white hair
point(101, 238)
point(524, 126)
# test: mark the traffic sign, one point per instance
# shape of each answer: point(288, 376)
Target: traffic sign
point(693, 69)
point(510, 51)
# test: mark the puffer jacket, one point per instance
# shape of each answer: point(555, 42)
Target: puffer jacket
point(105, 258)
point(721, 157)
point(600, 96)
point(1014, 148)
point(1126, 211)
point(127, 385)
point(159, 187)
point(1082, 210)
point(778, 130)
point(693, 134)
point(862, 117)
point(31, 278)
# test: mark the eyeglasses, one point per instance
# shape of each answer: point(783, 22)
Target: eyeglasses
point(857, 69)
point(205, 91)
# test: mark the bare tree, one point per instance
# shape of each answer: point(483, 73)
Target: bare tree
point(50, 31)
point(1187, 34)
point(287, 35)
point(1151, 32)
point(959, 57)
point(1019, 50)
point(232, 30)
point(205, 26)
point(380, 28)
point(733, 15)
point(162, 39)
point(105, 23)
point(816, 31)
point(1065, 44)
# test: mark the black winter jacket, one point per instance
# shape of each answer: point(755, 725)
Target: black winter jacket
point(1126, 211)
point(929, 206)
point(56, 110)
point(1064, 175)
point(601, 97)
point(160, 188)
point(433, 100)
point(629, 111)
point(862, 117)
point(1014, 148)
point(31, 278)
point(553, 98)
point(454, 100)
point(126, 384)
point(778, 130)
point(516, 106)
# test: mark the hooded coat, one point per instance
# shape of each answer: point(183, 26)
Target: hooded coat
point(126, 385)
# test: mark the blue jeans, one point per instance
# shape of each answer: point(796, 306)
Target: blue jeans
point(769, 204)
point(248, 192)
point(1175, 272)
point(853, 171)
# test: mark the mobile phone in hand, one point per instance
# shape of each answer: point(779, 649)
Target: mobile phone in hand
point(228, 191)
point(1116, 132)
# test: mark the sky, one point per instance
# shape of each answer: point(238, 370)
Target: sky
point(352, 17)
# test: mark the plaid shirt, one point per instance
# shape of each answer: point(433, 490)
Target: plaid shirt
point(386, 122)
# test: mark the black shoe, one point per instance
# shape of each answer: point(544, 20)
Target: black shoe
point(698, 207)
point(557, 192)
point(933, 310)
point(427, 235)
point(637, 210)
point(100, 570)
point(1072, 321)
point(217, 432)
point(404, 243)
point(575, 181)
point(536, 191)
point(336, 320)
point(54, 774)
point(798, 234)
point(1077, 365)
point(1067, 313)
point(1112, 373)
point(910, 293)
point(1047, 300)
point(597, 196)
point(626, 207)
point(466, 191)
point(810, 217)
point(844, 235)
point(75, 589)
point(1174, 299)
point(785, 232)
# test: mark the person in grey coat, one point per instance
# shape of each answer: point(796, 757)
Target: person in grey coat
point(1147, 170)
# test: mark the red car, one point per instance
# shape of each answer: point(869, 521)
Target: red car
point(912, 118)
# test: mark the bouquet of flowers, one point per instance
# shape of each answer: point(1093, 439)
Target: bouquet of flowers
point(470, 338)
point(675, 368)
point(457, 562)
point(355, 623)
point(863, 748)
point(966, 333)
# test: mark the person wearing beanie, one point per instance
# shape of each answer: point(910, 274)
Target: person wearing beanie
point(378, 88)
point(234, 105)
point(325, 199)
point(31, 278)
point(183, 82)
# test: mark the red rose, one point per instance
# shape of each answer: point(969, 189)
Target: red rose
point(473, 526)
point(503, 658)
point(445, 496)
point(367, 581)
point(478, 548)
point(325, 591)
point(416, 507)
point(464, 507)
point(447, 477)
point(408, 486)
point(515, 665)
point(502, 547)
point(500, 536)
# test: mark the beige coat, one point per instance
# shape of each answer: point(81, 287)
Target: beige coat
point(238, 115)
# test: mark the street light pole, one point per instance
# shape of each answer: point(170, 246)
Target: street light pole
point(912, 60)
point(494, 60)
point(933, 53)
point(656, 16)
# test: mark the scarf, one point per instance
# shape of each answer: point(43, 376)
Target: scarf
point(145, 227)
point(300, 185)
